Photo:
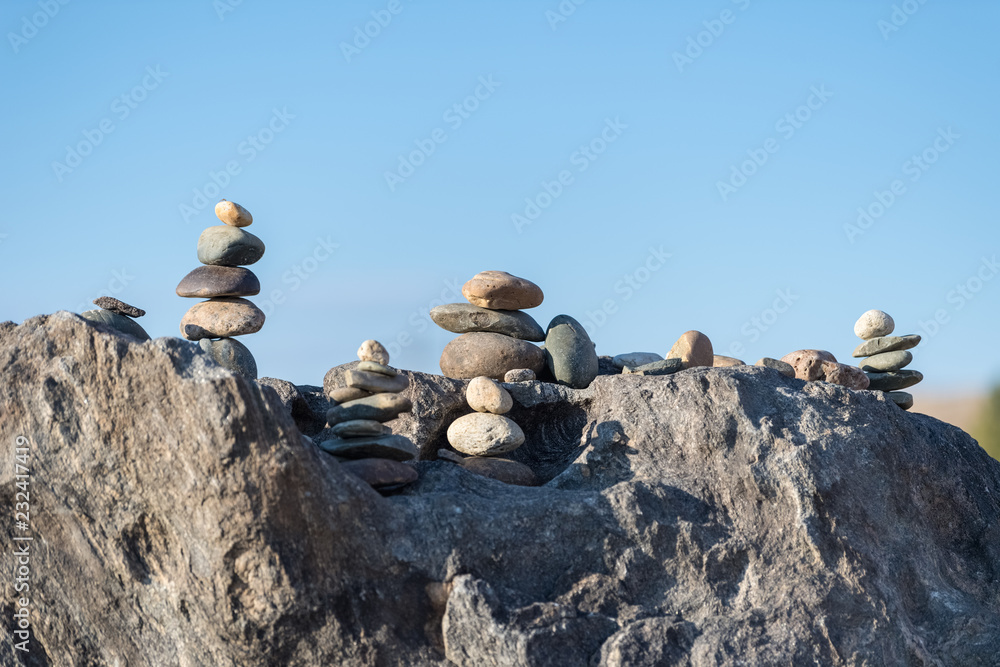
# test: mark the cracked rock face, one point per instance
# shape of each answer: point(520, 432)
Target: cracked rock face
point(717, 516)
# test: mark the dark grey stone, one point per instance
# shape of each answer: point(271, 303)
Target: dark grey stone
point(117, 322)
point(465, 318)
point(569, 353)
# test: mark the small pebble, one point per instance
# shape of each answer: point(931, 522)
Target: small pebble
point(360, 428)
point(485, 395)
point(519, 375)
point(116, 306)
point(233, 214)
point(873, 324)
point(372, 350)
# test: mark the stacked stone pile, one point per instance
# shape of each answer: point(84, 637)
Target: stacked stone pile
point(886, 357)
point(224, 250)
point(117, 315)
point(366, 446)
point(495, 333)
point(487, 433)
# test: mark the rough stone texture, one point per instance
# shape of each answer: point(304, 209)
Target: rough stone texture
point(874, 324)
point(694, 349)
point(310, 416)
point(231, 355)
point(851, 377)
point(223, 245)
point(222, 318)
point(887, 361)
point(808, 364)
point(569, 353)
point(490, 354)
point(116, 322)
point(372, 350)
point(484, 395)
point(519, 375)
point(662, 367)
point(782, 367)
point(233, 214)
point(499, 290)
point(886, 344)
point(465, 318)
point(503, 470)
point(720, 516)
point(208, 281)
point(116, 306)
point(484, 434)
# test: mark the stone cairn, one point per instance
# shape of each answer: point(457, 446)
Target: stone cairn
point(486, 433)
point(225, 250)
point(117, 315)
point(886, 356)
point(362, 442)
point(496, 335)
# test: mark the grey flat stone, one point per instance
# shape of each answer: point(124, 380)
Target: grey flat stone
point(465, 318)
point(893, 380)
point(223, 245)
point(375, 382)
point(117, 322)
point(886, 361)
point(886, 344)
point(394, 447)
point(664, 367)
point(380, 408)
point(635, 359)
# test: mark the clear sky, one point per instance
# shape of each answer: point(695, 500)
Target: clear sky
point(763, 172)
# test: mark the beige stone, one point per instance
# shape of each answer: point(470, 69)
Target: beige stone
point(375, 382)
point(373, 367)
point(223, 317)
point(720, 361)
point(851, 377)
point(484, 434)
point(372, 350)
point(498, 290)
point(693, 349)
point(233, 214)
point(485, 395)
point(490, 354)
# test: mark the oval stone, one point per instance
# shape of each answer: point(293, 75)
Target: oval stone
point(231, 355)
point(221, 318)
point(344, 394)
point(376, 382)
point(781, 366)
point(490, 354)
point(380, 408)
point(485, 395)
point(808, 364)
point(894, 380)
point(901, 398)
point(503, 470)
point(223, 245)
point(466, 318)
point(874, 324)
point(886, 344)
point(117, 322)
point(233, 214)
point(635, 359)
point(887, 361)
point(382, 447)
point(693, 349)
point(358, 428)
point(498, 290)
point(484, 434)
point(570, 353)
point(719, 361)
point(211, 281)
point(372, 350)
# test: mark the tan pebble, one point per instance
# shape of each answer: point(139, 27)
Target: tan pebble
point(485, 395)
point(693, 349)
point(484, 434)
point(720, 361)
point(372, 350)
point(233, 214)
point(808, 364)
point(499, 290)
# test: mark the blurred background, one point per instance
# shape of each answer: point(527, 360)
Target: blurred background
point(763, 172)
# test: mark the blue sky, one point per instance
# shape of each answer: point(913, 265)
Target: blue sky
point(654, 167)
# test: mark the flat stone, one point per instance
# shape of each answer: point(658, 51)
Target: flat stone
point(233, 214)
point(490, 354)
point(465, 318)
point(373, 367)
point(380, 473)
point(485, 395)
point(844, 375)
point(693, 349)
point(222, 317)
point(519, 375)
point(808, 364)
point(376, 382)
point(719, 361)
point(116, 322)
point(569, 353)
point(223, 245)
point(208, 281)
point(380, 408)
point(662, 367)
point(635, 359)
point(372, 350)
point(886, 344)
point(498, 290)
point(782, 367)
point(874, 324)
point(484, 434)
point(360, 428)
point(116, 306)
point(345, 394)
point(894, 380)
point(394, 447)
point(232, 355)
point(900, 398)
point(886, 361)
point(503, 470)
point(450, 456)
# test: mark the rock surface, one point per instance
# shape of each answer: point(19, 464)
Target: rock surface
point(719, 516)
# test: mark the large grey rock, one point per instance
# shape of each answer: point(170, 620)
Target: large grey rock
point(720, 516)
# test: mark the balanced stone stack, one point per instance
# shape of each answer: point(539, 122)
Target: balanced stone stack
point(225, 250)
point(117, 315)
point(357, 420)
point(886, 356)
point(495, 334)
point(485, 434)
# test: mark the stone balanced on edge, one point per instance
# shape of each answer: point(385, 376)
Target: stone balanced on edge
point(117, 315)
point(225, 250)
